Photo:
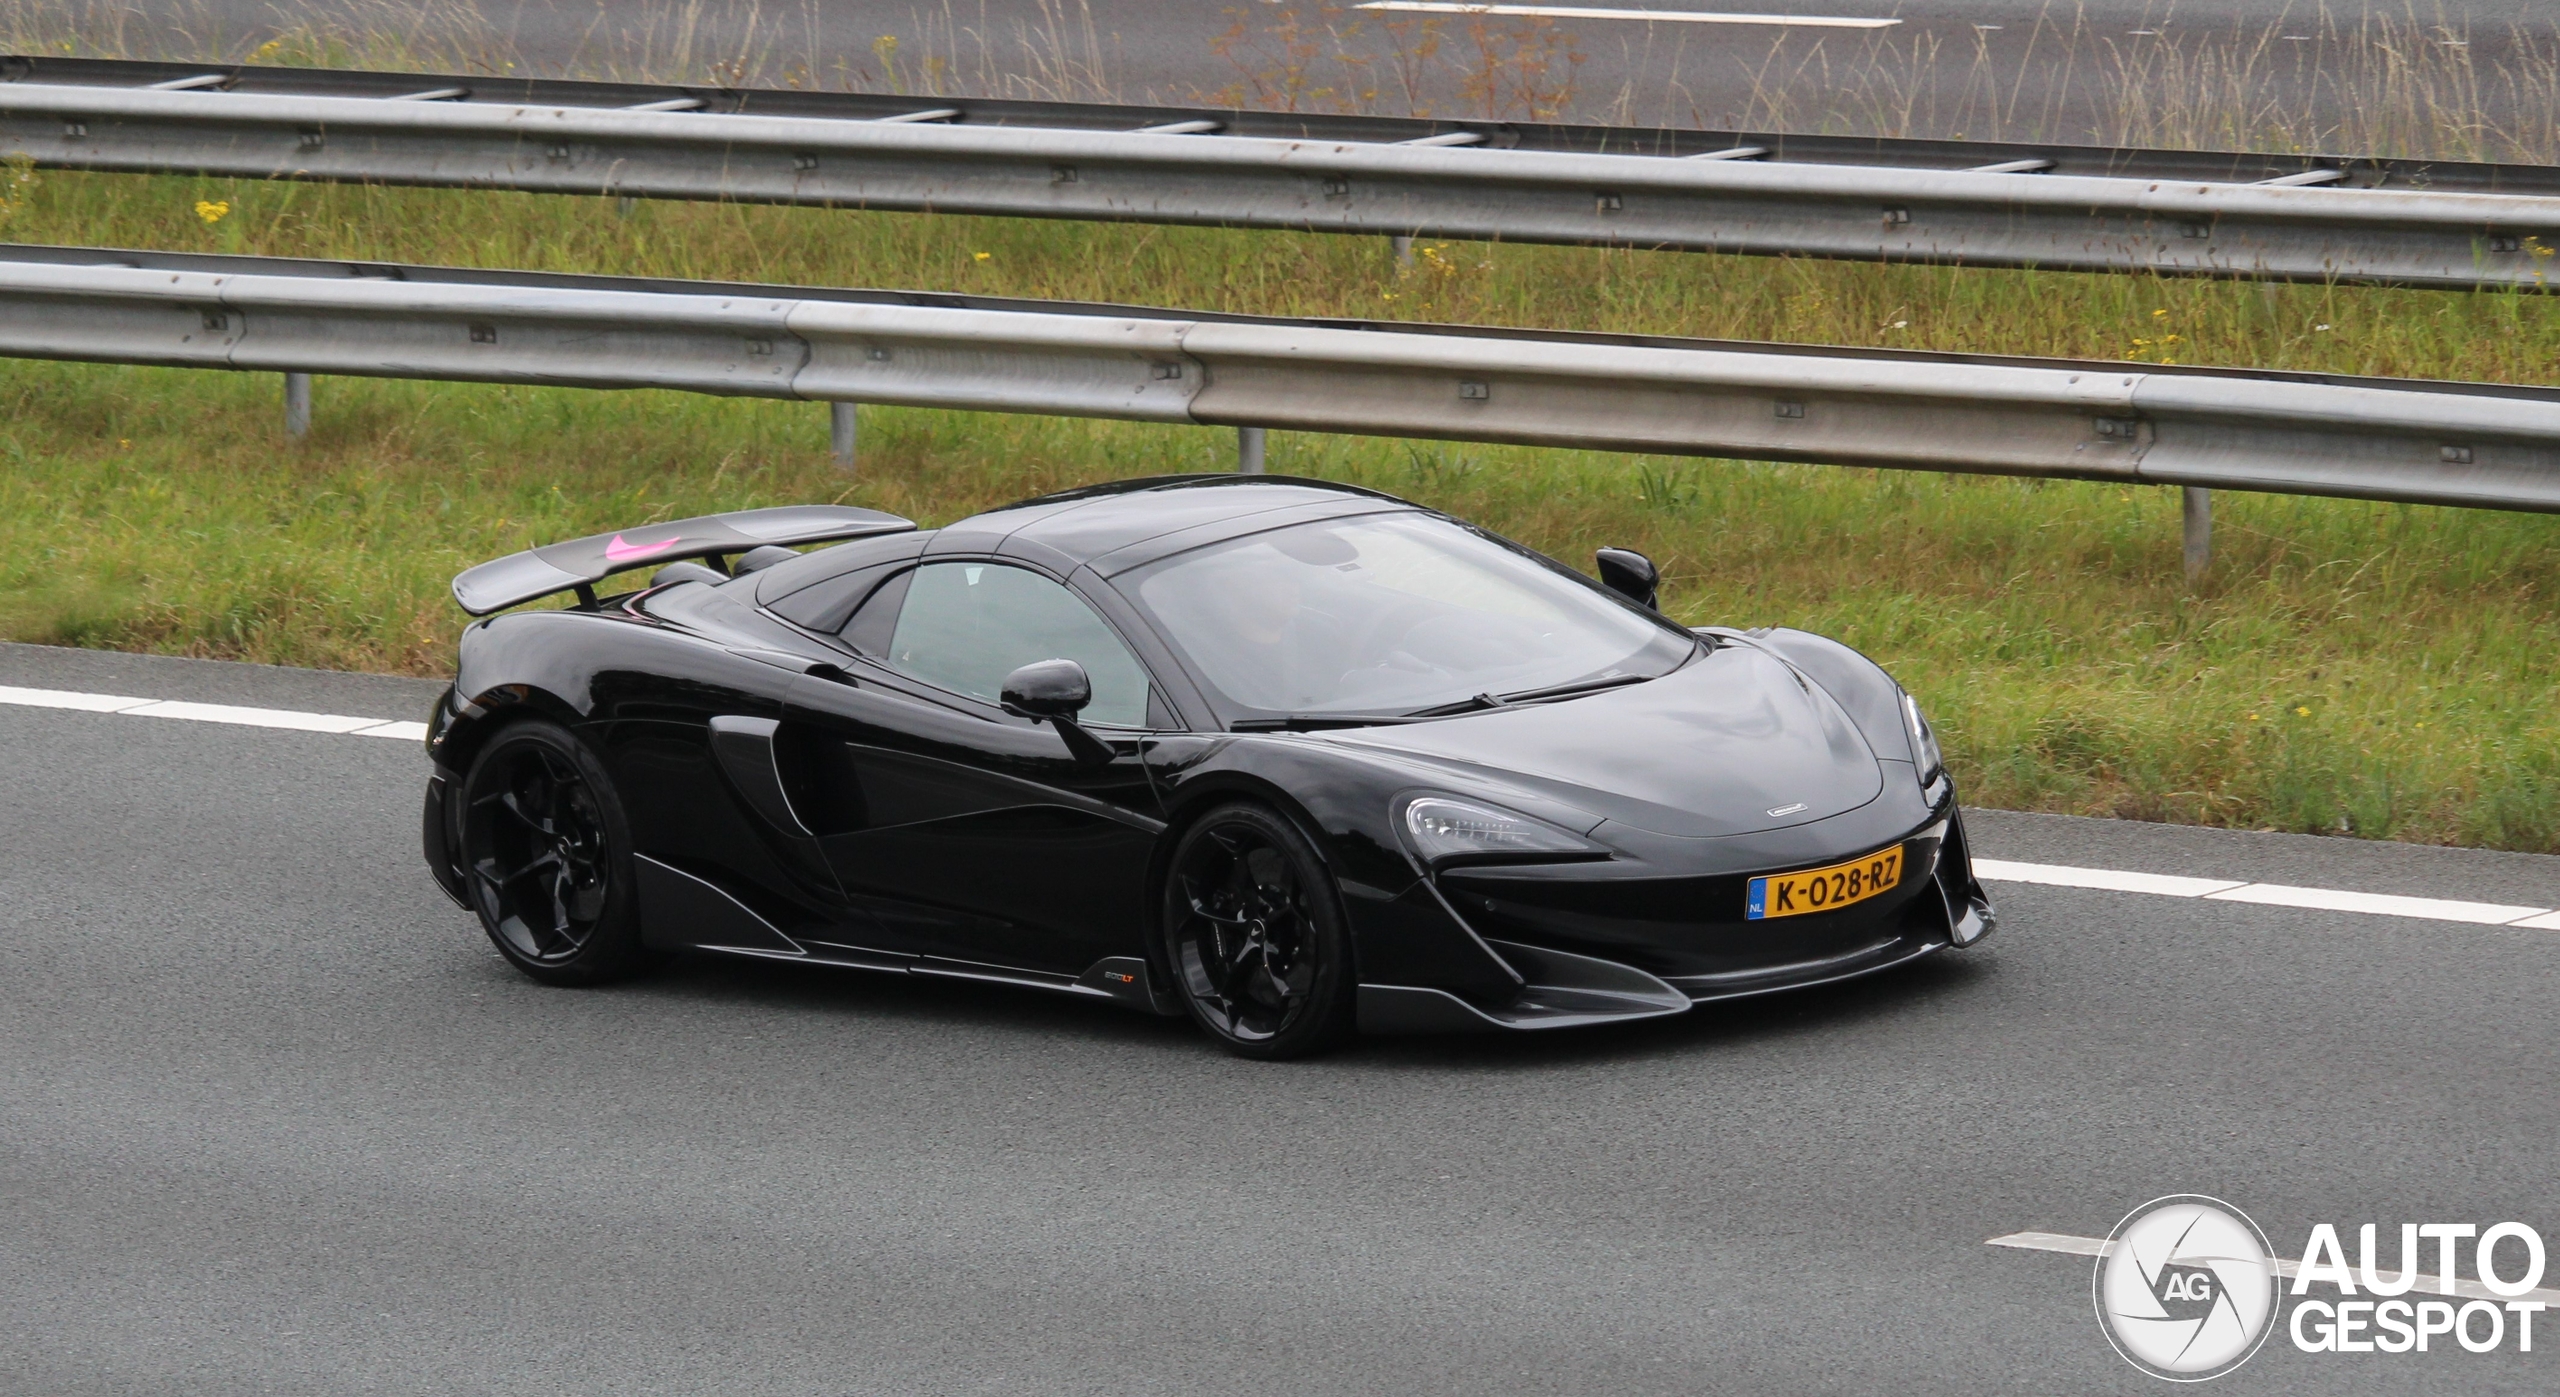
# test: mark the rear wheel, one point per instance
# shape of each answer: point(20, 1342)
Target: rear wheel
point(1254, 930)
point(546, 857)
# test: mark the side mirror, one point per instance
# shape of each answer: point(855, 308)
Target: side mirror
point(1632, 575)
point(1055, 691)
point(1048, 689)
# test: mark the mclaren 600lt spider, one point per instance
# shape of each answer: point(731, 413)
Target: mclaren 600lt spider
point(1291, 758)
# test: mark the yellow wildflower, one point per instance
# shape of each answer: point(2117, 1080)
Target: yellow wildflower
point(212, 212)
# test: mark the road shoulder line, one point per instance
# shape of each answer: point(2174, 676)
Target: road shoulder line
point(2269, 894)
point(339, 724)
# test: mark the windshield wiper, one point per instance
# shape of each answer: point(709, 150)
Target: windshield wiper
point(1579, 686)
point(1482, 702)
point(1310, 722)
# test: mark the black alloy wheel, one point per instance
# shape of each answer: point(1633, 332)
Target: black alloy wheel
point(1253, 927)
point(545, 854)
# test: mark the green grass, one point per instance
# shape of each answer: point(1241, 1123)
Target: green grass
point(2381, 670)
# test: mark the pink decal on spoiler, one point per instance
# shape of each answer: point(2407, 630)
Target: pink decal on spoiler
point(621, 552)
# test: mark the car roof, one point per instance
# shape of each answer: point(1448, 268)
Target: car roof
point(1112, 528)
point(1108, 528)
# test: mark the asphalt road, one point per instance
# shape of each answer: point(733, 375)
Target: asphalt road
point(274, 1119)
point(2009, 69)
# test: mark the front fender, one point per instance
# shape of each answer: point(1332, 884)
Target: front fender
point(1871, 697)
point(1401, 931)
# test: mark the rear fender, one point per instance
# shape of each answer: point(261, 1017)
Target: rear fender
point(461, 727)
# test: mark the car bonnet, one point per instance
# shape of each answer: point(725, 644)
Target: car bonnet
point(1736, 742)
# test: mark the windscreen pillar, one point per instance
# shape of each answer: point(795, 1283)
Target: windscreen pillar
point(297, 405)
point(2198, 508)
point(840, 429)
point(1250, 445)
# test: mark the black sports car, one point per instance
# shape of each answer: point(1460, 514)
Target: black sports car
point(1293, 758)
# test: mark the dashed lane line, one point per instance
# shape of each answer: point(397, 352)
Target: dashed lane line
point(2286, 1266)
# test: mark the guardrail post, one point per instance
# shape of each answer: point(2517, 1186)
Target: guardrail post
point(1402, 244)
point(1250, 444)
point(2198, 509)
point(297, 405)
point(840, 427)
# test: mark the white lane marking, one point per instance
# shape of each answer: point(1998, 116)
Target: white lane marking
point(2113, 880)
point(336, 723)
point(2286, 1266)
point(1458, 7)
point(2053, 1241)
point(2270, 894)
point(253, 717)
point(2380, 904)
point(66, 698)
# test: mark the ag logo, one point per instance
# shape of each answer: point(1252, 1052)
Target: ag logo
point(2186, 1288)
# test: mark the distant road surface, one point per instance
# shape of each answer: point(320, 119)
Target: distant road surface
point(2024, 69)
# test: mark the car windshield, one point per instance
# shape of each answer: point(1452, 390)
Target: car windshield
point(1390, 613)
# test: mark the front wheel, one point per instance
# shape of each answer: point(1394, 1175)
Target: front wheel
point(1253, 927)
point(546, 857)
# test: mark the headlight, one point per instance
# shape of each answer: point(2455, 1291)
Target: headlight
point(1924, 743)
point(1443, 828)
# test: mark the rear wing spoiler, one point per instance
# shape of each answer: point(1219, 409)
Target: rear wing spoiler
point(580, 563)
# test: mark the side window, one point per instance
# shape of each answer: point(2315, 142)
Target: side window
point(965, 626)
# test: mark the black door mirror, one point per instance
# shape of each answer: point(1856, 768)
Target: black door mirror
point(1048, 689)
point(1632, 575)
point(1054, 692)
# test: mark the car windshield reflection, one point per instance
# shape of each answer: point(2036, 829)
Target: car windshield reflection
point(1391, 614)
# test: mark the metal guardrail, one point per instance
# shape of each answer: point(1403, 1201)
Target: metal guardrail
point(2383, 439)
point(2438, 224)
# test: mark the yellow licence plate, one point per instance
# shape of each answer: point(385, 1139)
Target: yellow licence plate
point(1823, 889)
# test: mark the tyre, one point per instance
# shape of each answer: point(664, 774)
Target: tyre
point(546, 856)
point(1253, 929)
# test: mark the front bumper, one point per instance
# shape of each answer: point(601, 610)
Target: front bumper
point(1640, 947)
